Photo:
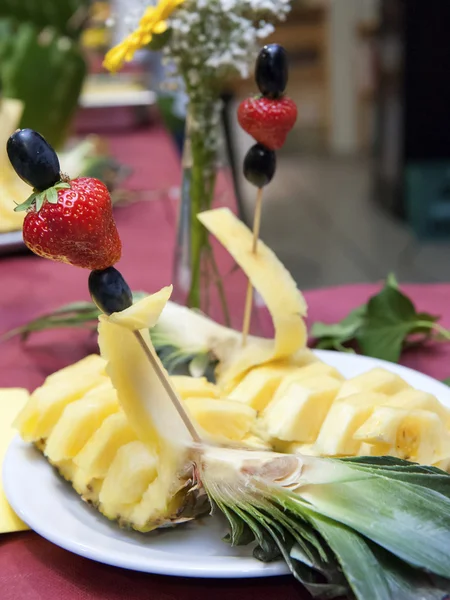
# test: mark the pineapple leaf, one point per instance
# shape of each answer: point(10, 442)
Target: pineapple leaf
point(364, 573)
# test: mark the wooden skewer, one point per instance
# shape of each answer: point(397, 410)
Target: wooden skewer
point(249, 297)
point(153, 360)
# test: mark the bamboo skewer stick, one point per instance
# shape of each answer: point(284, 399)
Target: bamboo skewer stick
point(154, 361)
point(249, 297)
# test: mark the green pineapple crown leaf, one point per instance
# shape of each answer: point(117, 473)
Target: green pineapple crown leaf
point(38, 198)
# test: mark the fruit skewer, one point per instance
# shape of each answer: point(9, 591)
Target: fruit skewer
point(71, 221)
point(268, 118)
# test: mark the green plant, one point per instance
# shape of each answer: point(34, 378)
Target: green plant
point(41, 62)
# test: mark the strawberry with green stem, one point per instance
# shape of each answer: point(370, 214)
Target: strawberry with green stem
point(68, 221)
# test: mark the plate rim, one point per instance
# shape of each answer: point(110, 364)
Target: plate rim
point(233, 567)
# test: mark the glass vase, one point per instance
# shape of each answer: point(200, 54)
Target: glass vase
point(197, 279)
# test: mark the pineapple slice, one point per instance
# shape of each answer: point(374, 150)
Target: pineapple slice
point(86, 367)
point(411, 399)
point(79, 421)
point(382, 426)
point(421, 438)
point(344, 418)
point(374, 450)
point(47, 402)
point(295, 448)
point(298, 410)
point(199, 387)
point(97, 454)
point(222, 419)
point(416, 435)
point(276, 286)
point(255, 443)
point(133, 469)
point(376, 380)
point(259, 385)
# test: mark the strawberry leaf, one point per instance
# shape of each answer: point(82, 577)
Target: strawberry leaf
point(27, 204)
point(39, 198)
point(52, 196)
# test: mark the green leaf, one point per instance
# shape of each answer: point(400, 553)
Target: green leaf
point(390, 318)
point(345, 330)
point(52, 196)
point(408, 520)
point(364, 573)
point(40, 199)
point(391, 281)
point(407, 583)
point(27, 204)
point(446, 381)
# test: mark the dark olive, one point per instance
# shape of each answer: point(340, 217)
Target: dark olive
point(259, 165)
point(109, 290)
point(33, 159)
point(271, 72)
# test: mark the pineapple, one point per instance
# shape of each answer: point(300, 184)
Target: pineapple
point(258, 387)
point(410, 398)
point(96, 456)
point(376, 380)
point(198, 387)
point(222, 419)
point(275, 285)
point(48, 402)
point(382, 426)
point(132, 470)
point(346, 415)
point(79, 421)
point(298, 410)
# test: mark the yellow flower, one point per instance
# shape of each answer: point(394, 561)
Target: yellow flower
point(152, 22)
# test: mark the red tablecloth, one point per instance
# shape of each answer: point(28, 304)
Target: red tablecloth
point(30, 567)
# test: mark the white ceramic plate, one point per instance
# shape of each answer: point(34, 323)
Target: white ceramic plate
point(50, 507)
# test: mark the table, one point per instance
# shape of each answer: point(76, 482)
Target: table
point(32, 568)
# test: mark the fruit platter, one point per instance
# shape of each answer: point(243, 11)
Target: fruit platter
point(278, 459)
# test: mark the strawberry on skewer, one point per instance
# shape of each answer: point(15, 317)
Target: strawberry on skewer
point(268, 119)
point(68, 221)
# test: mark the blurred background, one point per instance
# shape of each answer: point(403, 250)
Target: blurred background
point(363, 184)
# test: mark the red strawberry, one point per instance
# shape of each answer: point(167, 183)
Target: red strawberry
point(268, 121)
point(74, 225)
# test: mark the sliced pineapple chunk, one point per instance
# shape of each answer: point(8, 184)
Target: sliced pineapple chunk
point(79, 421)
point(97, 454)
point(374, 450)
point(259, 385)
point(198, 387)
point(295, 448)
point(411, 398)
point(48, 402)
point(376, 380)
point(298, 410)
point(133, 469)
point(416, 435)
point(421, 438)
point(276, 286)
point(255, 443)
point(222, 419)
point(344, 418)
point(92, 365)
point(382, 426)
